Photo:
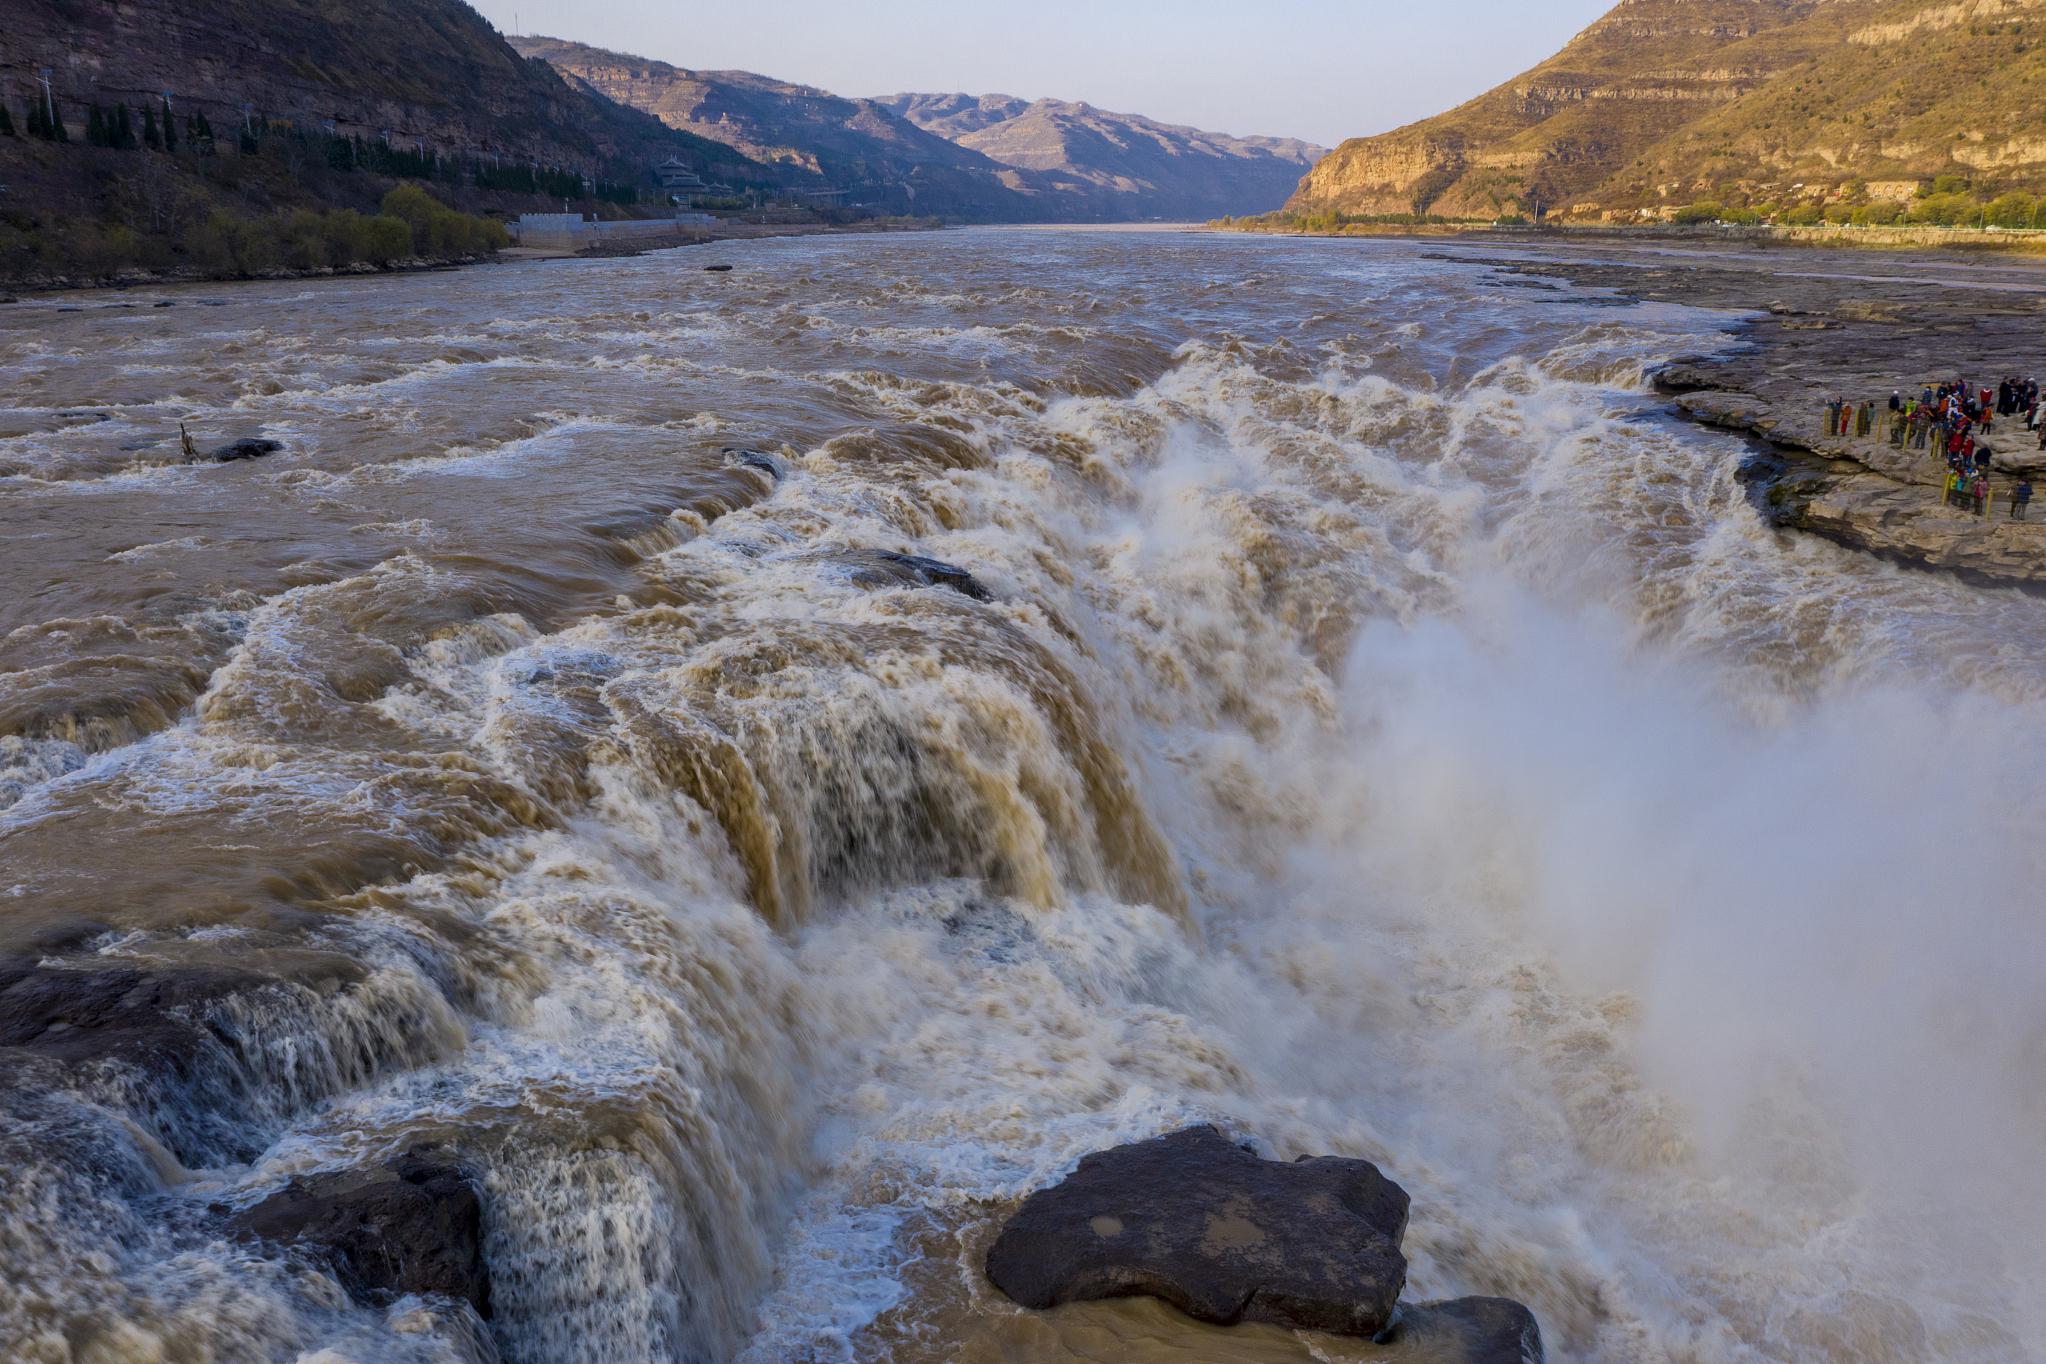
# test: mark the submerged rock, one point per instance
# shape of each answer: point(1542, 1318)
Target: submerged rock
point(412, 1225)
point(1222, 1235)
point(1467, 1331)
point(717, 269)
point(248, 448)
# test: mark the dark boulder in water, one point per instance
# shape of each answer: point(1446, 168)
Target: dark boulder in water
point(717, 269)
point(152, 1016)
point(411, 1225)
point(248, 448)
point(1467, 1331)
point(1205, 1225)
point(885, 568)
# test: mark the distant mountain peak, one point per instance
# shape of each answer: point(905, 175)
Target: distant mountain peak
point(1081, 140)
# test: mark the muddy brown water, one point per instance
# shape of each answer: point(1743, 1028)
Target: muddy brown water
point(1381, 730)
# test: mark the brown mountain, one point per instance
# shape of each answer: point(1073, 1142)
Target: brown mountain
point(1664, 102)
point(993, 158)
point(1158, 169)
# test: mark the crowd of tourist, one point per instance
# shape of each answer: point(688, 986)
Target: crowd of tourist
point(1949, 421)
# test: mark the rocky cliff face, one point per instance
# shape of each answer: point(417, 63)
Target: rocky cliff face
point(423, 72)
point(1160, 169)
point(1665, 101)
point(956, 115)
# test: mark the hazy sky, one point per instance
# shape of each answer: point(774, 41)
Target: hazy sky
point(1318, 69)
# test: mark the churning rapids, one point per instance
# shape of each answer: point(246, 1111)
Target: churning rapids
point(1381, 732)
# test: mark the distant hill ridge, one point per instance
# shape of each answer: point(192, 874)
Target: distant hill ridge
point(1176, 170)
point(1662, 103)
point(991, 156)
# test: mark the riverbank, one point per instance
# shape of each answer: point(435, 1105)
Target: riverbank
point(1827, 236)
point(12, 290)
point(1858, 327)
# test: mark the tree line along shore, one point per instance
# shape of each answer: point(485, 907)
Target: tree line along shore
point(115, 191)
point(1948, 210)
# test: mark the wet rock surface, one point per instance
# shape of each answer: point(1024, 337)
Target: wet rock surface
point(1466, 1331)
point(1826, 324)
point(1219, 1233)
point(412, 1225)
point(884, 568)
point(754, 459)
point(73, 1015)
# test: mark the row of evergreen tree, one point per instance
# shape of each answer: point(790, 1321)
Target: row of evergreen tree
point(116, 128)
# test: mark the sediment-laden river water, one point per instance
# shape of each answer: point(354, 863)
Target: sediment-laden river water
point(1370, 724)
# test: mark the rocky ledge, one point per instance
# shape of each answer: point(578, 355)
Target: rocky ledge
point(411, 1225)
point(1206, 1225)
point(1823, 325)
point(1869, 495)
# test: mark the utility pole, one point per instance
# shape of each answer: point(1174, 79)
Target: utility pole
point(49, 99)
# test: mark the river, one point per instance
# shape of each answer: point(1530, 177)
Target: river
point(1372, 725)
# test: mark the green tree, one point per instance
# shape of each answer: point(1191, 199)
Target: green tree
point(386, 240)
point(151, 138)
point(57, 131)
point(1704, 211)
point(1945, 210)
point(96, 128)
point(124, 128)
point(6, 122)
point(2015, 209)
point(1805, 215)
point(170, 128)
